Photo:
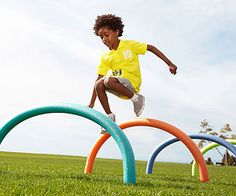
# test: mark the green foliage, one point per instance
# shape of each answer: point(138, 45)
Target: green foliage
point(35, 174)
point(224, 133)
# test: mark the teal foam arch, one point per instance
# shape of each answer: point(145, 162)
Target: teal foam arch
point(129, 168)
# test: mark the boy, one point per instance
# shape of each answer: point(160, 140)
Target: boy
point(122, 60)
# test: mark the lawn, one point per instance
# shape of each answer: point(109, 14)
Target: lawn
point(40, 174)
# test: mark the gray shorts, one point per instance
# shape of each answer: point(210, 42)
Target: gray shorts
point(124, 82)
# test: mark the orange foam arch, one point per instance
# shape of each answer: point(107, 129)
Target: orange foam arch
point(202, 169)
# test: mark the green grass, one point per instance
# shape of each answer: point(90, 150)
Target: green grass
point(37, 174)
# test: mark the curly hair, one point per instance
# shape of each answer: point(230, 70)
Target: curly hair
point(111, 21)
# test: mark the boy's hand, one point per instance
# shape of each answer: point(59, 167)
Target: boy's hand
point(172, 68)
point(91, 105)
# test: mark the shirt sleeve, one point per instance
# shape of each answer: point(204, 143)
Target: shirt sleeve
point(139, 47)
point(102, 68)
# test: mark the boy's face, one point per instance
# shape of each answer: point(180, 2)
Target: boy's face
point(109, 37)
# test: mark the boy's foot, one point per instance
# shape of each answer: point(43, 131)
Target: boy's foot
point(113, 118)
point(139, 104)
point(103, 131)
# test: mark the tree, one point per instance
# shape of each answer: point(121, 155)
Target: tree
point(224, 133)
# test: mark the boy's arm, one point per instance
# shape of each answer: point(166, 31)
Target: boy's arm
point(94, 94)
point(154, 50)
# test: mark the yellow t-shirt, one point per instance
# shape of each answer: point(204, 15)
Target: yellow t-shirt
point(124, 62)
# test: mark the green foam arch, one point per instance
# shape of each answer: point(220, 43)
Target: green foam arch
point(205, 150)
point(129, 168)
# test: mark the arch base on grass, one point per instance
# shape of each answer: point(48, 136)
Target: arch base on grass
point(126, 150)
point(203, 173)
point(163, 145)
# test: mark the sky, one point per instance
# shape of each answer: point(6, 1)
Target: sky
point(49, 54)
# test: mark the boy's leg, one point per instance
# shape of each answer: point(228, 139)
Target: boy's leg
point(102, 96)
point(121, 86)
point(114, 84)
